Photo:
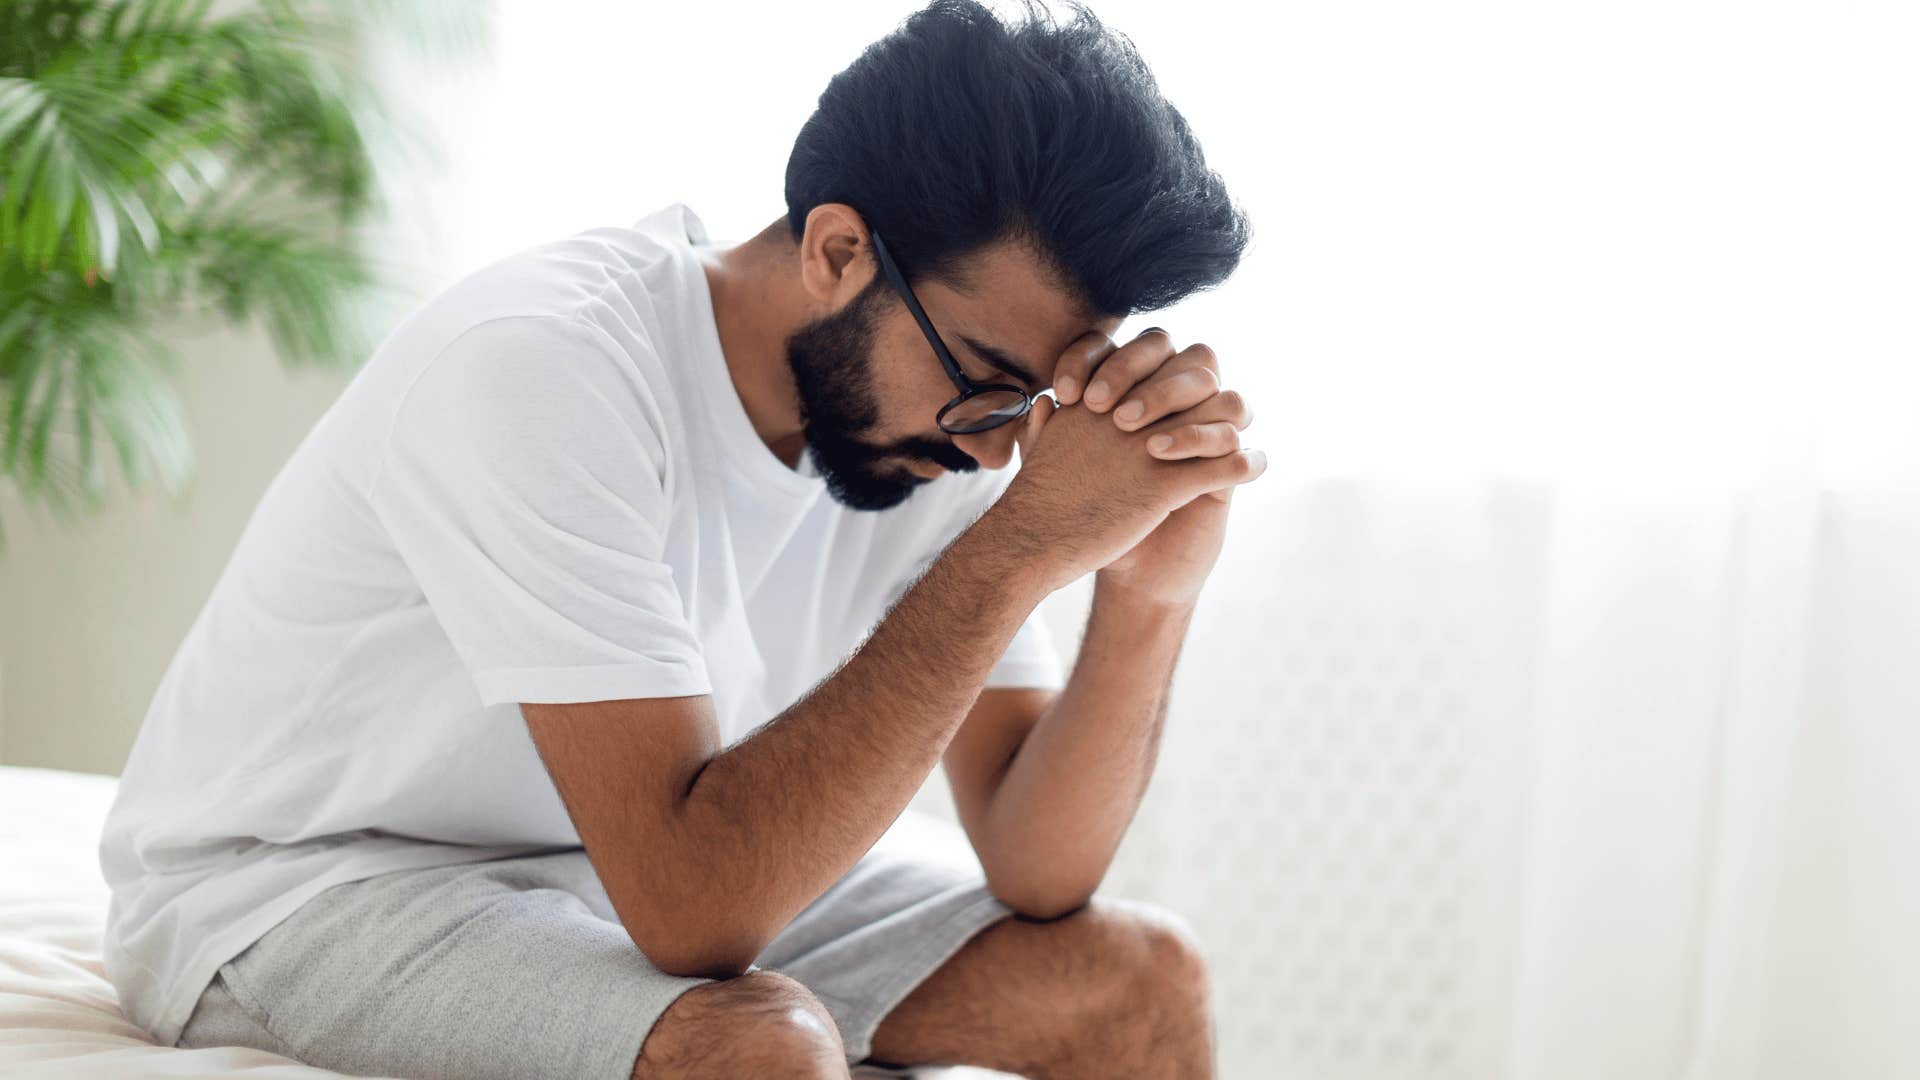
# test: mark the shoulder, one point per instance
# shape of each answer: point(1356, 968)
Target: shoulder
point(512, 394)
point(608, 294)
point(536, 366)
point(572, 276)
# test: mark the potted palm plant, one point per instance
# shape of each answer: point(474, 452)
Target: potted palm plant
point(161, 161)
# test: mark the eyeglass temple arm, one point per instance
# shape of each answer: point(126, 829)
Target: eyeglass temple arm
point(899, 280)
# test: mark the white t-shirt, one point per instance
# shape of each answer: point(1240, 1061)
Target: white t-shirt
point(541, 487)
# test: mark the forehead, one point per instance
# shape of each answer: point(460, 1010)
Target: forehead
point(1012, 302)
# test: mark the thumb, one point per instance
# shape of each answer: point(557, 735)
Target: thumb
point(1031, 424)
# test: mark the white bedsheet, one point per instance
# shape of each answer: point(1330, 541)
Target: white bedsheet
point(59, 1016)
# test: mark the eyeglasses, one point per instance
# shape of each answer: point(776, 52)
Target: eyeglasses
point(980, 406)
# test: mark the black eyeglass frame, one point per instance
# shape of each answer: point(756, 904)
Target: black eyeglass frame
point(967, 387)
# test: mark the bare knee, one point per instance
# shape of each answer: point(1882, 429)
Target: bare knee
point(1162, 1005)
point(1172, 952)
point(762, 1023)
point(1145, 961)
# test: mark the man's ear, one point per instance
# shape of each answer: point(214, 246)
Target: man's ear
point(830, 250)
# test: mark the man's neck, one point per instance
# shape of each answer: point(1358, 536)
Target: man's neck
point(757, 303)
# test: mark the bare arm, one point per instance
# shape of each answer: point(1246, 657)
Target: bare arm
point(741, 841)
point(1046, 786)
point(1046, 783)
point(706, 855)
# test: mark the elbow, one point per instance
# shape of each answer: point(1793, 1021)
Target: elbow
point(1047, 912)
point(725, 956)
point(1041, 905)
point(695, 964)
point(699, 940)
point(1034, 889)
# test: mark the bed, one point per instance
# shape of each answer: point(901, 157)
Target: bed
point(58, 1013)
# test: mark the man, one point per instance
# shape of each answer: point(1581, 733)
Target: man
point(547, 716)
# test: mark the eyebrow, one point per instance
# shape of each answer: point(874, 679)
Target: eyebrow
point(1002, 361)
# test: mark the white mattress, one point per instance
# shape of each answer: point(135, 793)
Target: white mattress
point(59, 1016)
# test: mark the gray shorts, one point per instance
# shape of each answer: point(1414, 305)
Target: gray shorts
point(520, 968)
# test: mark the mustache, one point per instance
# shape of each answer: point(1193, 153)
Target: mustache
point(939, 451)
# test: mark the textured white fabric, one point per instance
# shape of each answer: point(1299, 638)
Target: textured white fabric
point(58, 1014)
point(541, 487)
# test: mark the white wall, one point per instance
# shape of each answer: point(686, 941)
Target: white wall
point(91, 612)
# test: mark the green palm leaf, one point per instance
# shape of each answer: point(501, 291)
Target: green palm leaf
point(155, 161)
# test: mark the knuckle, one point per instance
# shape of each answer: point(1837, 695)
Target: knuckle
point(1081, 361)
point(1204, 378)
point(1138, 362)
point(1145, 353)
point(1232, 401)
point(1204, 355)
point(1169, 394)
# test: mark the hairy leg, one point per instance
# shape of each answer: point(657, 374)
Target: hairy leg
point(758, 1024)
point(1117, 988)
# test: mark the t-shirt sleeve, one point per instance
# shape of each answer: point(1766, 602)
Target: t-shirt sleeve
point(522, 483)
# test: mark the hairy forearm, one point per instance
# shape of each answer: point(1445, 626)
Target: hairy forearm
point(779, 817)
point(1064, 802)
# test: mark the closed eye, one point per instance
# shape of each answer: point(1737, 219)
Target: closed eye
point(985, 373)
point(1006, 368)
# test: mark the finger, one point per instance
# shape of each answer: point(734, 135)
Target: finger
point(1226, 405)
point(1128, 365)
point(1031, 424)
point(1210, 474)
point(1195, 440)
point(1175, 387)
point(1070, 373)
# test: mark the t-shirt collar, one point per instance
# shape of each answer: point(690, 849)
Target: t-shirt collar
point(680, 228)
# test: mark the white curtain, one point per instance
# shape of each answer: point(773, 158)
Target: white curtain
point(1552, 712)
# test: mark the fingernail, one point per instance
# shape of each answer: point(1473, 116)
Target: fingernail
point(1130, 412)
point(1160, 442)
point(1097, 393)
point(1259, 459)
point(1063, 388)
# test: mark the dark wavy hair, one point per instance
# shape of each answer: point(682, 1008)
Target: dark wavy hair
point(956, 131)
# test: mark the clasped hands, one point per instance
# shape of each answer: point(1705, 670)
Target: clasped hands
point(1176, 396)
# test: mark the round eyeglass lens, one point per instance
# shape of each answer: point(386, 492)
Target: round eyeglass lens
point(987, 409)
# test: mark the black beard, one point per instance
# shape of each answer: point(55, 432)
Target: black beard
point(832, 364)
